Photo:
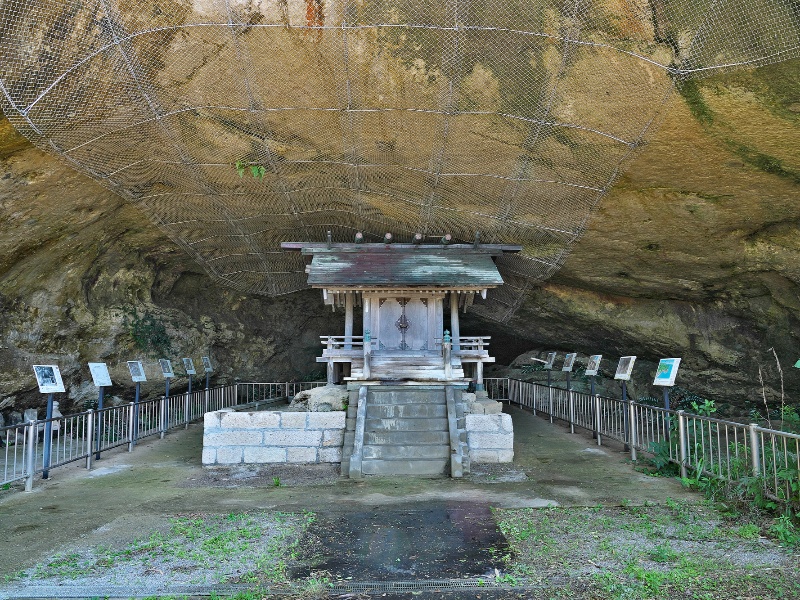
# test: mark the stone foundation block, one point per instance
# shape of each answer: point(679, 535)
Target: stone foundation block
point(267, 454)
point(297, 437)
point(293, 420)
point(333, 437)
point(211, 420)
point(229, 456)
point(330, 455)
point(233, 438)
point(490, 440)
point(209, 456)
point(330, 420)
point(253, 420)
point(301, 455)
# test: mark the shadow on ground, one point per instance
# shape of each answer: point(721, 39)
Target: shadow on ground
point(377, 530)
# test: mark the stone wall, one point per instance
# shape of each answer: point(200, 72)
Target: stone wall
point(272, 437)
point(490, 438)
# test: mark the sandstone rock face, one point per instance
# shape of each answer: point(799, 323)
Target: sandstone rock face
point(84, 276)
point(694, 254)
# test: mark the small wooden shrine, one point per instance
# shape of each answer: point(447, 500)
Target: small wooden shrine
point(402, 291)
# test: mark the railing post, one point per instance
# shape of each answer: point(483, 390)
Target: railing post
point(571, 411)
point(186, 411)
point(598, 424)
point(288, 395)
point(682, 440)
point(448, 368)
point(550, 400)
point(162, 409)
point(755, 450)
point(626, 434)
point(89, 433)
point(367, 353)
point(135, 432)
point(131, 433)
point(632, 421)
point(48, 438)
point(30, 458)
point(535, 397)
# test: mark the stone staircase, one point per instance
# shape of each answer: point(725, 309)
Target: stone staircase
point(403, 430)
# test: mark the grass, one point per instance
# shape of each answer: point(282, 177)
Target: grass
point(642, 552)
point(233, 548)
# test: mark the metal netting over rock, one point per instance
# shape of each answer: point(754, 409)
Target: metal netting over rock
point(508, 117)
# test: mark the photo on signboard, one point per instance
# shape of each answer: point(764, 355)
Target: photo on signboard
point(137, 371)
point(625, 368)
point(569, 360)
point(667, 371)
point(48, 377)
point(551, 358)
point(166, 367)
point(594, 365)
point(207, 364)
point(188, 366)
point(100, 375)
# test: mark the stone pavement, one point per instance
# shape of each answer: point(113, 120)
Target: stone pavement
point(127, 493)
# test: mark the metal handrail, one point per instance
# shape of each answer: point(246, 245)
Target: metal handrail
point(708, 445)
point(87, 434)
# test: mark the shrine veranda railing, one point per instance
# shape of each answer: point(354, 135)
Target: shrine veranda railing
point(700, 445)
point(37, 447)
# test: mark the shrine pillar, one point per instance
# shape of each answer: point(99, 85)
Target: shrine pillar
point(348, 320)
point(454, 329)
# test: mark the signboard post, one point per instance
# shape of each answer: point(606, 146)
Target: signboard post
point(101, 379)
point(551, 358)
point(137, 376)
point(188, 366)
point(624, 370)
point(548, 365)
point(569, 360)
point(167, 372)
point(665, 376)
point(592, 368)
point(48, 377)
point(207, 368)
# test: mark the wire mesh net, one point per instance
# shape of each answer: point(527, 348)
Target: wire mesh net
point(238, 124)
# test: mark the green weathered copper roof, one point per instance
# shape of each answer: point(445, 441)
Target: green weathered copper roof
point(392, 267)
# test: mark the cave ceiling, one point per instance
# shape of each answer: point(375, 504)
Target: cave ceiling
point(235, 125)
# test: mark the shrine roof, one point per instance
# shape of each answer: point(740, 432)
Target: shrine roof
point(382, 266)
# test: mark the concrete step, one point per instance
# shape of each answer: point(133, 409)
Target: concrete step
point(406, 438)
point(397, 397)
point(407, 453)
point(377, 425)
point(406, 411)
point(421, 468)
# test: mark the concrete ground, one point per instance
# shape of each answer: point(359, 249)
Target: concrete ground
point(126, 494)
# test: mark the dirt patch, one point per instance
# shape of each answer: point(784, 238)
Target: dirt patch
point(279, 475)
point(496, 473)
point(440, 541)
